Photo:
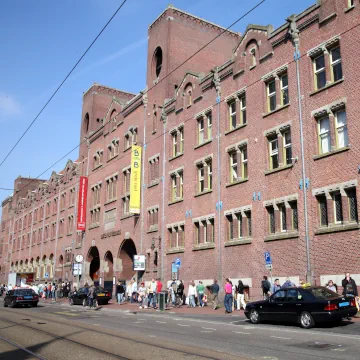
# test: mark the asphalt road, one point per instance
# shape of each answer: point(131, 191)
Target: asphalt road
point(64, 332)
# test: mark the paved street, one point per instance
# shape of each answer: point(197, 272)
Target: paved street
point(54, 331)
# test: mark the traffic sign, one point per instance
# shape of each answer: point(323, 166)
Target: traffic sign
point(178, 263)
point(46, 275)
point(268, 267)
point(267, 256)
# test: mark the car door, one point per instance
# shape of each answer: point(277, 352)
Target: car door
point(78, 296)
point(276, 310)
point(293, 305)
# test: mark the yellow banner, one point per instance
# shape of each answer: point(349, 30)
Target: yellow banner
point(135, 179)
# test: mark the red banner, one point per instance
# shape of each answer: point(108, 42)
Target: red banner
point(81, 211)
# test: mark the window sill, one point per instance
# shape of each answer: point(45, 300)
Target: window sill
point(175, 251)
point(153, 132)
point(189, 106)
point(198, 99)
point(276, 110)
point(152, 230)
point(282, 236)
point(52, 239)
point(114, 157)
point(69, 234)
point(97, 167)
point(203, 193)
point(236, 182)
point(60, 237)
point(252, 67)
point(203, 144)
point(327, 87)
point(154, 183)
point(268, 172)
point(333, 152)
point(204, 246)
point(175, 201)
point(62, 210)
point(127, 216)
point(110, 202)
point(349, 9)
point(178, 111)
point(235, 242)
point(333, 228)
point(94, 226)
point(71, 206)
point(176, 156)
point(127, 149)
point(237, 128)
point(240, 72)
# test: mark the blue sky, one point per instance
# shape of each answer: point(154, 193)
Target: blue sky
point(41, 41)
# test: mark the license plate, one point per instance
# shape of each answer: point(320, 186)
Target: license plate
point(101, 294)
point(28, 297)
point(342, 304)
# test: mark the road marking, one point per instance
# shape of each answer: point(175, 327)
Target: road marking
point(203, 331)
point(152, 336)
point(65, 313)
point(161, 322)
point(183, 325)
point(280, 337)
point(208, 328)
point(337, 349)
point(96, 324)
point(241, 332)
point(138, 322)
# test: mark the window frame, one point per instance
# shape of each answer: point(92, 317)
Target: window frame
point(339, 128)
point(284, 89)
point(274, 152)
point(337, 202)
point(233, 165)
point(333, 63)
point(321, 135)
point(232, 114)
point(271, 95)
point(287, 146)
point(201, 130)
point(317, 72)
point(209, 124)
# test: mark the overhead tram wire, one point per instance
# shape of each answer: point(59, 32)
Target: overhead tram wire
point(235, 22)
point(62, 83)
point(164, 133)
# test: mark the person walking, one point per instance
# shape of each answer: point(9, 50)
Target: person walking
point(349, 286)
point(133, 291)
point(192, 294)
point(152, 294)
point(53, 291)
point(91, 296)
point(200, 291)
point(265, 286)
point(228, 297)
point(119, 292)
point(275, 286)
point(180, 292)
point(240, 302)
point(214, 290)
point(142, 296)
point(128, 291)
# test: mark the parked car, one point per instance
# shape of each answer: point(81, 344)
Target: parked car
point(24, 297)
point(102, 297)
point(307, 306)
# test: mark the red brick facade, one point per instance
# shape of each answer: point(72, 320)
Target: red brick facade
point(218, 220)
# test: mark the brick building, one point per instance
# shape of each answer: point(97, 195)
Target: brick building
point(222, 176)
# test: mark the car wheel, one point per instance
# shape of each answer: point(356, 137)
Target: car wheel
point(5, 305)
point(254, 316)
point(306, 320)
point(71, 301)
point(13, 304)
point(84, 303)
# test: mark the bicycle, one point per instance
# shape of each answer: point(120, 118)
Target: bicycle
point(92, 303)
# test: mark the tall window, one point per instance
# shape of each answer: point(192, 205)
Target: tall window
point(232, 115)
point(95, 195)
point(201, 178)
point(154, 169)
point(324, 135)
point(113, 149)
point(284, 87)
point(204, 231)
point(336, 67)
point(201, 130)
point(323, 210)
point(271, 95)
point(130, 138)
point(320, 72)
point(272, 227)
point(287, 147)
point(177, 236)
point(274, 153)
point(204, 176)
point(209, 123)
point(253, 57)
point(72, 197)
point(294, 220)
point(174, 143)
point(238, 164)
point(70, 224)
point(111, 188)
point(48, 207)
point(97, 158)
point(177, 142)
point(283, 224)
point(341, 129)
point(338, 212)
point(62, 201)
point(126, 180)
point(243, 109)
point(126, 204)
point(353, 213)
point(233, 167)
point(177, 186)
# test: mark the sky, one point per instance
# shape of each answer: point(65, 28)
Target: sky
point(42, 40)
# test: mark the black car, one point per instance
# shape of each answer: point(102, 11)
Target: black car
point(102, 297)
point(25, 297)
point(306, 306)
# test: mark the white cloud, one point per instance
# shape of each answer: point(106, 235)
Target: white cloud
point(8, 106)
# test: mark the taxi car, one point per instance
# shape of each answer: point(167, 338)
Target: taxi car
point(23, 297)
point(304, 305)
point(102, 297)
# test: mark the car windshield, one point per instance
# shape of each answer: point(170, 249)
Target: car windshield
point(322, 293)
point(23, 292)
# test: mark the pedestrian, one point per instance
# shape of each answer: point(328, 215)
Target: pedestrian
point(134, 289)
point(53, 291)
point(228, 297)
point(331, 286)
point(128, 291)
point(240, 296)
point(91, 296)
point(142, 296)
point(275, 287)
point(349, 286)
point(287, 284)
point(192, 294)
point(171, 292)
point(152, 294)
point(265, 286)
point(180, 292)
point(214, 290)
point(119, 292)
point(200, 291)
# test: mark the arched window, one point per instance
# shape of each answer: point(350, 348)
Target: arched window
point(157, 61)
point(188, 92)
point(252, 50)
point(86, 123)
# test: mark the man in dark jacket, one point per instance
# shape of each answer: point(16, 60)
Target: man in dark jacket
point(120, 291)
point(265, 285)
point(349, 286)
